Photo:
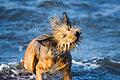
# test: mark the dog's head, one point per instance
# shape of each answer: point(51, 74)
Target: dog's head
point(64, 33)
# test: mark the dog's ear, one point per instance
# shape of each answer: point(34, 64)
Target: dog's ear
point(42, 38)
point(66, 20)
point(55, 22)
point(45, 40)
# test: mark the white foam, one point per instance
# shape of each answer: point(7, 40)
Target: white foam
point(115, 61)
point(15, 72)
point(12, 75)
point(3, 65)
point(86, 65)
point(13, 63)
point(20, 48)
point(21, 60)
point(33, 76)
point(77, 63)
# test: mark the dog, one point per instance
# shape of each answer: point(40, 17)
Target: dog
point(50, 53)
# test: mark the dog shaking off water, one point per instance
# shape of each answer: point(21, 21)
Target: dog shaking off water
point(51, 53)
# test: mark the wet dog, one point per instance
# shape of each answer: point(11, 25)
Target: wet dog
point(50, 53)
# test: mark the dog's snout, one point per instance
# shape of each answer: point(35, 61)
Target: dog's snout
point(77, 33)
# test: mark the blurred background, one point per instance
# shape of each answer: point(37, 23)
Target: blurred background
point(98, 54)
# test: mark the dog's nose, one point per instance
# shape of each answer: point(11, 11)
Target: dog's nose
point(77, 34)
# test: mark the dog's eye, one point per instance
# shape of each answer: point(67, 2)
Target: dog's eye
point(68, 29)
point(64, 35)
point(77, 33)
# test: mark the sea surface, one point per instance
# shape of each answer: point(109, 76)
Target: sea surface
point(97, 57)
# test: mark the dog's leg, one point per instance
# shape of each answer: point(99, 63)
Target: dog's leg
point(38, 73)
point(29, 58)
point(40, 69)
point(67, 75)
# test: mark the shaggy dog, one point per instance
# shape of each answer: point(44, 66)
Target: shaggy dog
point(51, 53)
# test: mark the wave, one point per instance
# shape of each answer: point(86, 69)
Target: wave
point(14, 71)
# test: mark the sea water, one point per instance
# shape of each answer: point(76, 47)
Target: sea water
point(97, 56)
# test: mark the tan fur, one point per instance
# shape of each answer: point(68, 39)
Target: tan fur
point(51, 53)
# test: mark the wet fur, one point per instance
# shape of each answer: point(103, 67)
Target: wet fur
point(51, 53)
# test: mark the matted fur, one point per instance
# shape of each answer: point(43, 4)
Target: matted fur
point(64, 34)
point(51, 53)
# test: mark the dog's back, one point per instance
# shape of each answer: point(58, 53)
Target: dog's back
point(32, 53)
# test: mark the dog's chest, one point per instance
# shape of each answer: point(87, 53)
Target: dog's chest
point(45, 56)
point(51, 60)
